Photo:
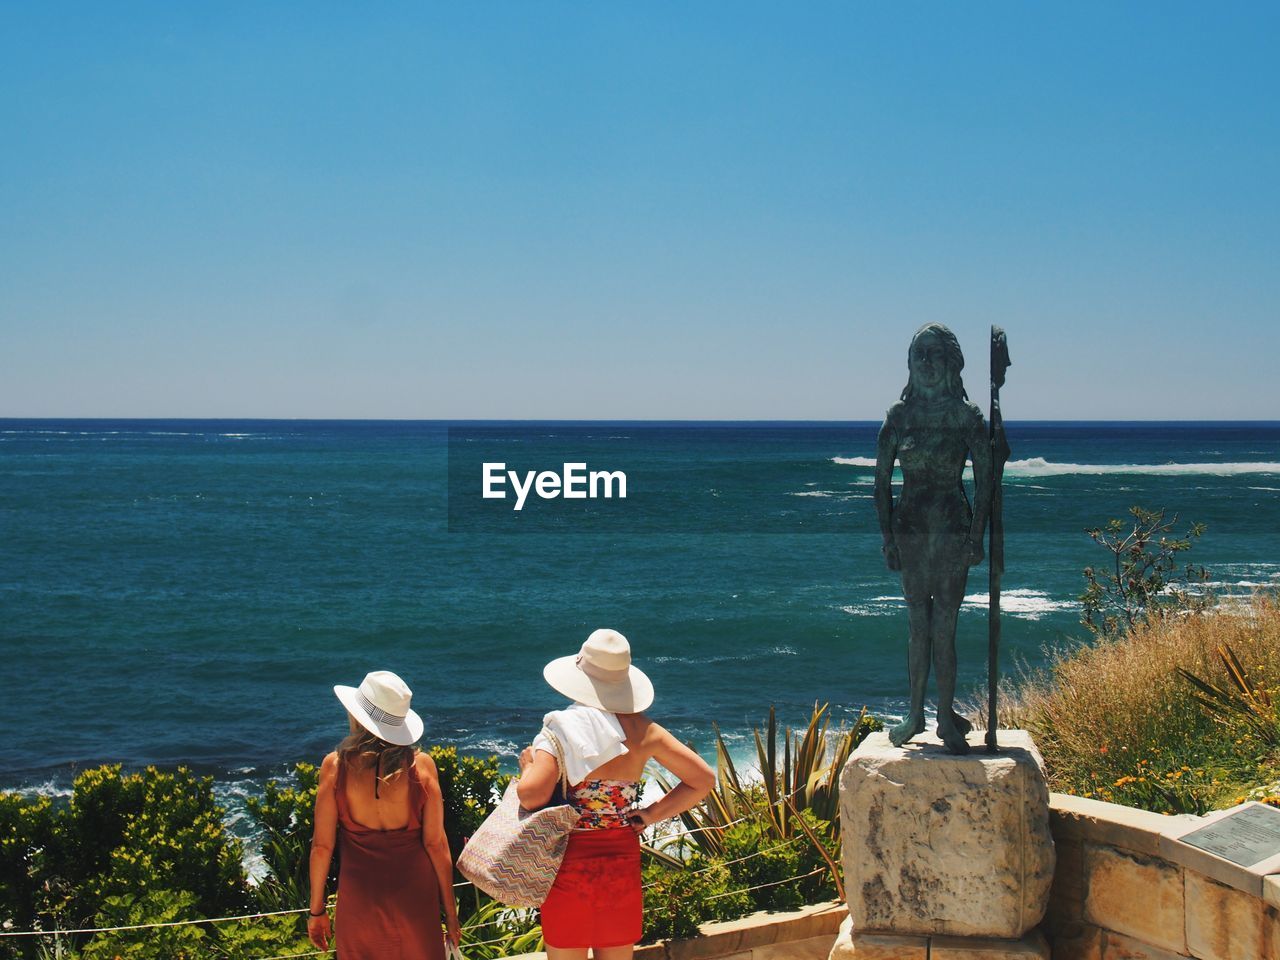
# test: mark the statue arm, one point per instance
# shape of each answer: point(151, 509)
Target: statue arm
point(886, 453)
point(983, 482)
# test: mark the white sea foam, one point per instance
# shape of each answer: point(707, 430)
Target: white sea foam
point(48, 789)
point(502, 748)
point(1024, 603)
point(866, 610)
point(1040, 467)
point(1020, 602)
point(829, 494)
point(778, 651)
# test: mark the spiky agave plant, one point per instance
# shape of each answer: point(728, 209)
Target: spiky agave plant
point(805, 779)
point(1248, 702)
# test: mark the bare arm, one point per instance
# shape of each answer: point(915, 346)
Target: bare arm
point(322, 842)
point(436, 843)
point(697, 779)
point(539, 773)
point(886, 453)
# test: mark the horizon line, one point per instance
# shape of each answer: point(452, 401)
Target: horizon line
point(576, 420)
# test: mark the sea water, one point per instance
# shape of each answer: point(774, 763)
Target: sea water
point(189, 591)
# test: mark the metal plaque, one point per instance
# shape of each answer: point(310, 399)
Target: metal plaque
point(1245, 837)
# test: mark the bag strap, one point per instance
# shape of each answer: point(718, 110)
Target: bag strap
point(560, 762)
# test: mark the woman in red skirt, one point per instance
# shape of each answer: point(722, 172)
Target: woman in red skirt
point(606, 740)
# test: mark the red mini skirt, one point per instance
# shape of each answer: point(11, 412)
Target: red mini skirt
point(596, 899)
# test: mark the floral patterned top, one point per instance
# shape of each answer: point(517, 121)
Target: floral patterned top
point(603, 804)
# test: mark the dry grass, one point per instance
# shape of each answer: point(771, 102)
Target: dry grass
point(1116, 722)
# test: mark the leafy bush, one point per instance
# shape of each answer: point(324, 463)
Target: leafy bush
point(157, 943)
point(782, 874)
point(678, 899)
point(168, 833)
point(151, 847)
point(26, 838)
point(1143, 574)
point(472, 787)
point(286, 815)
point(67, 865)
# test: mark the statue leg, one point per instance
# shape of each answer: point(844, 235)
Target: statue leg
point(951, 727)
point(919, 620)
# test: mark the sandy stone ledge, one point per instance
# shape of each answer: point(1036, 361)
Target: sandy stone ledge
point(804, 934)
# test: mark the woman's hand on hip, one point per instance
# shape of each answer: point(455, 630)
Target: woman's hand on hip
point(640, 820)
point(319, 930)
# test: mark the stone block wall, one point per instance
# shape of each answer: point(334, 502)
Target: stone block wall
point(1124, 889)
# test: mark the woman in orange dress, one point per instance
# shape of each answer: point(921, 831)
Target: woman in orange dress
point(379, 800)
point(607, 739)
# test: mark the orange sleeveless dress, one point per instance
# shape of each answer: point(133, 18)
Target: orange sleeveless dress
point(388, 897)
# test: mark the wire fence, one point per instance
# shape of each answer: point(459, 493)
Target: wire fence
point(150, 926)
point(127, 928)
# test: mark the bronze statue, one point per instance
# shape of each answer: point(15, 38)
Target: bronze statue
point(931, 534)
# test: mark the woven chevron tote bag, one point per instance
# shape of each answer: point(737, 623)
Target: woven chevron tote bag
point(515, 854)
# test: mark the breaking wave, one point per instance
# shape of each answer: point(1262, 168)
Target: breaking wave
point(1040, 467)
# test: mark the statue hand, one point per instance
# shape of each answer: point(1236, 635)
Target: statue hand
point(973, 552)
point(891, 558)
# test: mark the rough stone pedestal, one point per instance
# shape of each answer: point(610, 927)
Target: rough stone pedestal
point(942, 845)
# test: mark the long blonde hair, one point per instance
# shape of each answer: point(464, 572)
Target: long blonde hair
point(361, 748)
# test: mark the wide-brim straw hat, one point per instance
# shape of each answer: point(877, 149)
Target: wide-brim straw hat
point(381, 705)
point(601, 675)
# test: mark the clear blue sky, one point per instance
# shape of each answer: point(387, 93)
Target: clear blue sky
point(656, 210)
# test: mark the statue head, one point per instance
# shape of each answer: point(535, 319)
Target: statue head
point(934, 360)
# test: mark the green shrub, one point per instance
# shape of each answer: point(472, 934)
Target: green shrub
point(119, 834)
point(264, 937)
point(286, 815)
point(151, 847)
point(157, 943)
point(781, 874)
point(26, 839)
point(472, 787)
point(1144, 573)
point(172, 836)
point(677, 900)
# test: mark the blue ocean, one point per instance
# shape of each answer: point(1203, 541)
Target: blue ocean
point(189, 591)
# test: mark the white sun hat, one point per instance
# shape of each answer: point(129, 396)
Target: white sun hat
point(381, 705)
point(601, 675)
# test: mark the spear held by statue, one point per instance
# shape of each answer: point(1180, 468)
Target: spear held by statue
point(1000, 362)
